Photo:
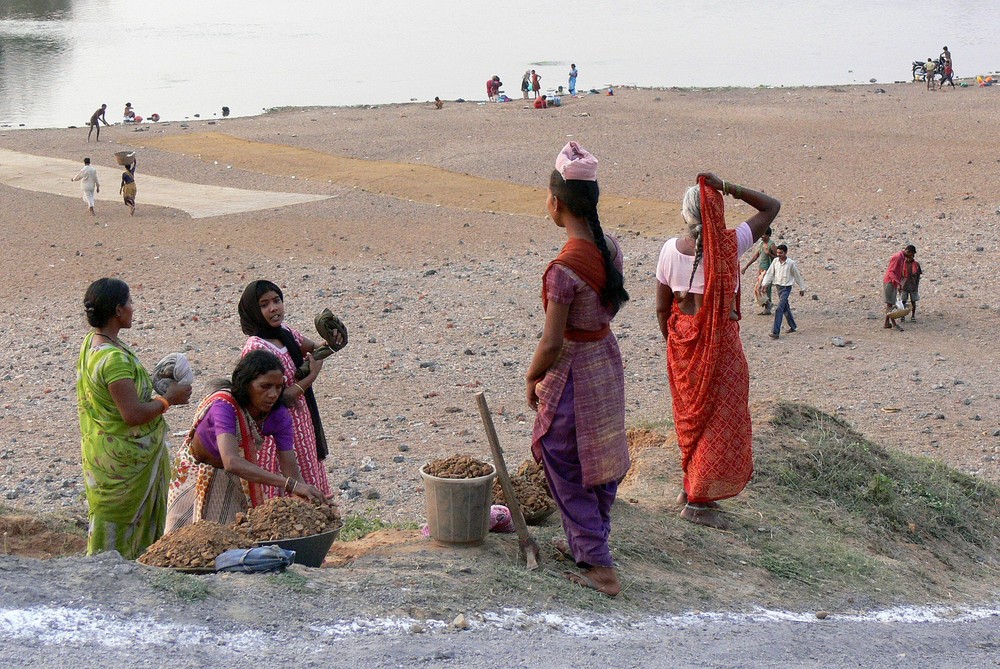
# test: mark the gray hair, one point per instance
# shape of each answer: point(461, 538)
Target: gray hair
point(691, 210)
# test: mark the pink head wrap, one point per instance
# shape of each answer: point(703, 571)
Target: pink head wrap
point(575, 162)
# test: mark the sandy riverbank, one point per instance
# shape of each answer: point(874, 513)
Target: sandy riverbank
point(432, 246)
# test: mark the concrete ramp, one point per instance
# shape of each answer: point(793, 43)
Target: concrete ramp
point(52, 175)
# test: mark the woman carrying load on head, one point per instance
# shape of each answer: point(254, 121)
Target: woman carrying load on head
point(216, 472)
point(126, 466)
point(698, 309)
point(128, 188)
point(262, 315)
point(576, 380)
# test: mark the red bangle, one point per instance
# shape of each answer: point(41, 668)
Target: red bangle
point(163, 400)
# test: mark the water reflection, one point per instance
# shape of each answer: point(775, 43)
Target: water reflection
point(41, 10)
point(32, 48)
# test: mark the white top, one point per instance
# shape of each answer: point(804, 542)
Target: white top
point(784, 274)
point(674, 268)
point(88, 175)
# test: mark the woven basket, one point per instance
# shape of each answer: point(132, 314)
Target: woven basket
point(899, 313)
point(125, 158)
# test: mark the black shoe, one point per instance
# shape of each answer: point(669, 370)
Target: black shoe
point(790, 330)
point(772, 335)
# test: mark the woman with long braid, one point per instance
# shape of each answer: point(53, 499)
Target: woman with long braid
point(576, 381)
point(698, 309)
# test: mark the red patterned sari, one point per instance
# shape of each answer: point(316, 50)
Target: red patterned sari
point(709, 377)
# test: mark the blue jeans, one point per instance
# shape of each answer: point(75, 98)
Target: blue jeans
point(784, 310)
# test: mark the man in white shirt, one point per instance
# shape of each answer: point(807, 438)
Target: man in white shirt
point(783, 273)
point(88, 179)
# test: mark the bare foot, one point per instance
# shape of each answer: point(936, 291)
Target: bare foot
point(682, 499)
point(602, 579)
point(704, 515)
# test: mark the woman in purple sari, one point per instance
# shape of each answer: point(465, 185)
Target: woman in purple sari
point(576, 381)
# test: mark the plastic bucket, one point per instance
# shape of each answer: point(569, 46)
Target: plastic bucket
point(309, 551)
point(458, 510)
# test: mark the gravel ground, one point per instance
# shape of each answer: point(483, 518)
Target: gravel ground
point(442, 302)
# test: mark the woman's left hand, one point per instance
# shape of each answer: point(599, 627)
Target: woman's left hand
point(531, 393)
point(711, 180)
point(308, 492)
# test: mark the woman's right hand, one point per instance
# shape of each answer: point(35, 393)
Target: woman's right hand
point(314, 365)
point(711, 180)
point(178, 393)
point(310, 493)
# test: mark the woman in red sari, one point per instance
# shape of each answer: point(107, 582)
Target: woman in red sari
point(576, 381)
point(698, 309)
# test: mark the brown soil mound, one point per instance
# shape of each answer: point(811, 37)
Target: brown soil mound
point(28, 537)
point(193, 547)
point(534, 499)
point(287, 518)
point(533, 471)
point(458, 467)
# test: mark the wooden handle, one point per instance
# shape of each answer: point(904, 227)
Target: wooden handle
point(501, 467)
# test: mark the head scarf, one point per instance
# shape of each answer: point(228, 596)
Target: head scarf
point(576, 163)
point(253, 324)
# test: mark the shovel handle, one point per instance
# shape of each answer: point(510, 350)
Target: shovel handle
point(501, 466)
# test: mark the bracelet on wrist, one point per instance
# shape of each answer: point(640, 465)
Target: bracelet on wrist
point(163, 400)
point(300, 388)
point(289, 485)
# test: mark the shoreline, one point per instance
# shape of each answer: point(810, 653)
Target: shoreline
point(278, 109)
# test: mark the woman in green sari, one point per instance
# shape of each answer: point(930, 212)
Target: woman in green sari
point(126, 466)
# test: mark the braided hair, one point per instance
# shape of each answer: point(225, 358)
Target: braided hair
point(581, 197)
point(691, 211)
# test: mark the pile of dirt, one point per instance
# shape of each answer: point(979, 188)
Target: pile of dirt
point(534, 501)
point(287, 518)
point(458, 467)
point(193, 546)
point(31, 537)
point(534, 472)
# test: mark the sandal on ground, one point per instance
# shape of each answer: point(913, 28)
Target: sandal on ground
point(584, 581)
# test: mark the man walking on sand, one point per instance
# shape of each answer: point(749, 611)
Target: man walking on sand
point(783, 273)
point(88, 177)
point(96, 118)
point(892, 283)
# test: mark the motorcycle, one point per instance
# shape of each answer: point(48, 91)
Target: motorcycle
point(920, 69)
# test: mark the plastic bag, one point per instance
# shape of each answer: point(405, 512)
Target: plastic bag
point(258, 560)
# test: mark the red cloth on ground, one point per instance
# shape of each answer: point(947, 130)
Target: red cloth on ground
point(709, 376)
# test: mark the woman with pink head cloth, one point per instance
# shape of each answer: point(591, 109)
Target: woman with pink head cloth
point(576, 381)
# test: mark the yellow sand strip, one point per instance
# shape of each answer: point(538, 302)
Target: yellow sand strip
point(420, 183)
point(52, 175)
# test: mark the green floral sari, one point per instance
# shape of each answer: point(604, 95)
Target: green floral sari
point(126, 469)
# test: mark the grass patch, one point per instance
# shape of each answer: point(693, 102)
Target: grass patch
point(359, 525)
point(185, 587)
point(292, 581)
point(896, 496)
point(662, 425)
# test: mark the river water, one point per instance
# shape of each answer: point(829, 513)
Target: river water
point(60, 59)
